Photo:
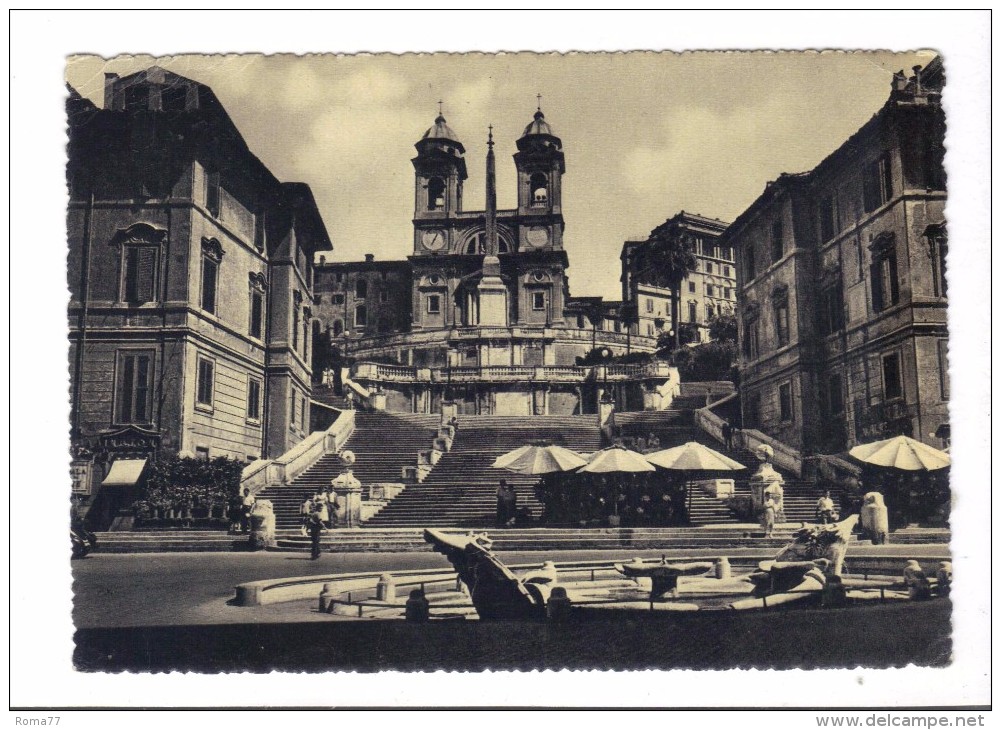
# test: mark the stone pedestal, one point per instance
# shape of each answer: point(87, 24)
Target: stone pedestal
point(262, 525)
point(605, 410)
point(377, 401)
point(449, 410)
point(348, 490)
point(765, 483)
point(492, 295)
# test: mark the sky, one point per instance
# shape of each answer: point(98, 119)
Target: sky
point(645, 134)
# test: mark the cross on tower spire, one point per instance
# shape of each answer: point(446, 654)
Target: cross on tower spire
point(539, 98)
point(440, 102)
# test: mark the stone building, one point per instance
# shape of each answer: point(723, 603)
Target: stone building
point(482, 307)
point(190, 275)
point(709, 290)
point(841, 273)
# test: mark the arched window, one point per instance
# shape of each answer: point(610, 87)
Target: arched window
point(361, 289)
point(436, 194)
point(361, 317)
point(538, 186)
point(476, 243)
point(338, 327)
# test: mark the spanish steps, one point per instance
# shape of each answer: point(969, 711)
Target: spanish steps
point(461, 489)
point(383, 444)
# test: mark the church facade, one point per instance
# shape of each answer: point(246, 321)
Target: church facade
point(480, 314)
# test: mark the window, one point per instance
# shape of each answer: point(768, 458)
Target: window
point(257, 286)
point(835, 396)
point(710, 312)
point(337, 299)
point(137, 98)
point(751, 339)
point(649, 306)
point(291, 412)
point(692, 311)
point(728, 253)
point(211, 256)
point(943, 368)
point(361, 316)
point(938, 250)
point(436, 194)
point(538, 300)
point(173, 99)
point(361, 289)
point(752, 410)
point(434, 304)
point(885, 286)
point(828, 218)
point(649, 329)
point(709, 290)
point(253, 400)
point(749, 262)
point(726, 292)
point(384, 296)
point(726, 271)
point(338, 327)
point(212, 193)
point(877, 183)
point(260, 236)
point(139, 274)
point(205, 383)
point(785, 403)
point(202, 453)
point(580, 321)
point(776, 241)
point(691, 287)
point(782, 322)
point(133, 390)
point(302, 414)
point(832, 316)
point(295, 323)
point(892, 385)
point(698, 245)
point(709, 267)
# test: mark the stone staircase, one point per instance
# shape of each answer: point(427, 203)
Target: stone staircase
point(383, 444)
point(462, 488)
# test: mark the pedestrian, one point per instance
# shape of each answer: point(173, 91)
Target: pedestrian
point(652, 441)
point(331, 496)
point(315, 529)
point(248, 507)
point(321, 507)
point(727, 435)
point(825, 509)
point(350, 397)
point(768, 517)
point(305, 509)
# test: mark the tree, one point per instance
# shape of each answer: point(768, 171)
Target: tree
point(629, 315)
point(595, 313)
point(723, 327)
point(665, 260)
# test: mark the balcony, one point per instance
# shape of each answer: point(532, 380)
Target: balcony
point(378, 372)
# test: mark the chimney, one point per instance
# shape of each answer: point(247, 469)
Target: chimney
point(917, 79)
point(369, 258)
point(109, 89)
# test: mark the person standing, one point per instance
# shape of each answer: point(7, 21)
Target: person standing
point(248, 507)
point(502, 516)
point(825, 509)
point(727, 435)
point(315, 529)
point(305, 509)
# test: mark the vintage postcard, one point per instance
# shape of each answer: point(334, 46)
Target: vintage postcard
point(510, 362)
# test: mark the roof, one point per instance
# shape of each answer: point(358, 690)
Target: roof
point(441, 130)
point(538, 126)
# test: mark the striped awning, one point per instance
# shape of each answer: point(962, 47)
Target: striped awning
point(124, 473)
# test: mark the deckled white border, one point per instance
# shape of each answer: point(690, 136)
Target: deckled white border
point(41, 630)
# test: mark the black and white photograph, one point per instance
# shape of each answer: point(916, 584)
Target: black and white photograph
point(505, 362)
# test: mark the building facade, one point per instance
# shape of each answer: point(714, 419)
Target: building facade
point(709, 290)
point(190, 275)
point(482, 305)
point(841, 272)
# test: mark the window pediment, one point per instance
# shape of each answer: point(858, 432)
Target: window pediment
point(212, 248)
point(883, 243)
point(780, 294)
point(139, 234)
point(258, 280)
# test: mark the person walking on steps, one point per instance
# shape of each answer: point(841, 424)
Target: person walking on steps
point(728, 435)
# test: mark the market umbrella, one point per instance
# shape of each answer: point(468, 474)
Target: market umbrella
point(902, 452)
point(531, 459)
point(693, 456)
point(617, 459)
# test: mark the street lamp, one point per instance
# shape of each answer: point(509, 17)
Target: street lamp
point(606, 355)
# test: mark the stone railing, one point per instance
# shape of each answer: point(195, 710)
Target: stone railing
point(284, 469)
point(511, 373)
point(380, 371)
point(711, 390)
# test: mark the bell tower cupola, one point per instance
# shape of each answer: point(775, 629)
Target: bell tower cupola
point(540, 165)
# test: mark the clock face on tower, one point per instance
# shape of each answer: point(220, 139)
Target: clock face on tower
point(537, 236)
point(433, 240)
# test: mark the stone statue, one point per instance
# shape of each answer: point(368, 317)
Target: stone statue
point(348, 488)
point(262, 525)
point(918, 586)
point(875, 518)
point(943, 577)
point(766, 483)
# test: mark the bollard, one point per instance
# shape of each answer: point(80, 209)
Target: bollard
point(385, 589)
point(417, 609)
point(723, 568)
point(558, 605)
point(326, 594)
